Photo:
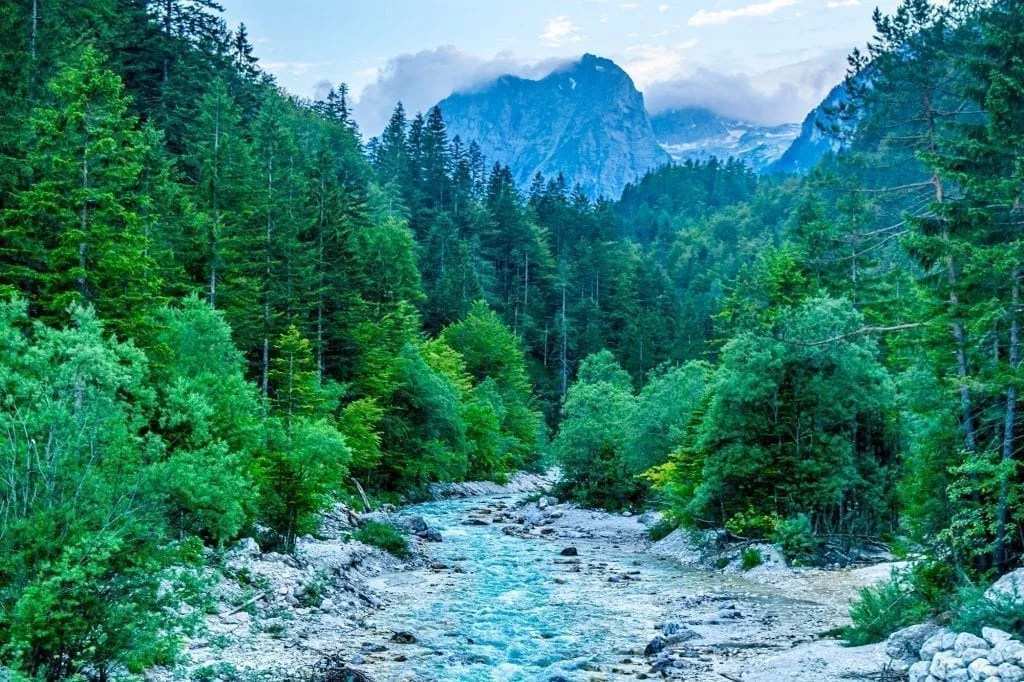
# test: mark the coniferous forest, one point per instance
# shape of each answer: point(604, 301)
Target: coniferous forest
point(225, 307)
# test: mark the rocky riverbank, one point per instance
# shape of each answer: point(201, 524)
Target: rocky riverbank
point(522, 590)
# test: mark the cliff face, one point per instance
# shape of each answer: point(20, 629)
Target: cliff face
point(586, 121)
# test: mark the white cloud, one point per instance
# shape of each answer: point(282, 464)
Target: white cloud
point(833, 4)
point(782, 95)
point(628, 6)
point(662, 8)
point(290, 68)
point(561, 30)
point(762, 9)
point(423, 79)
point(647, 64)
point(604, 18)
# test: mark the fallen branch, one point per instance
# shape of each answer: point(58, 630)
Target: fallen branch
point(858, 332)
point(366, 502)
point(250, 602)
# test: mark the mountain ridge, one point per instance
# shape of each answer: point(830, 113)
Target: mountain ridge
point(586, 120)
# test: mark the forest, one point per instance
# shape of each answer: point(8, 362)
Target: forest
point(223, 306)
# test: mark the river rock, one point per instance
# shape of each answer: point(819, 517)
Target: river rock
point(1009, 672)
point(1009, 586)
point(402, 637)
point(905, 645)
point(944, 663)
point(569, 551)
point(413, 523)
point(655, 645)
point(995, 637)
point(982, 670)
point(431, 535)
point(940, 641)
point(966, 640)
point(919, 672)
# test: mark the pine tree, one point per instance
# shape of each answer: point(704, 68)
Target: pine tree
point(80, 232)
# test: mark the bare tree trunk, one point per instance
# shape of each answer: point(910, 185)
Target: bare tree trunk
point(83, 246)
point(215, 201)
point(966, 409)
point(265, 365)
point(564, 358)
point(1008, 424)
point(35, 26)
point(320, 282)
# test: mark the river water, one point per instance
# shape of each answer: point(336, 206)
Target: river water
point(515, 609)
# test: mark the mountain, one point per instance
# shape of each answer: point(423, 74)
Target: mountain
point(586, 120)
point(697, 133)
point(812, 144)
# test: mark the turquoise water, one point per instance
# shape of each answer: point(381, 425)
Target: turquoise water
point(520, 612)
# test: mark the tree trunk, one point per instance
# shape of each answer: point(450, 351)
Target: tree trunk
point(564, 353)
point(1008, 425)
point(265, 364)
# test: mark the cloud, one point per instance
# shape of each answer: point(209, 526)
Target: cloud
point(290, 68)
point(560, 30)
point(321, 88)
point(782, 95)
point(423, 79)
point(762, 9)
point(832, 4)
point(649, 63)
point(662, 8)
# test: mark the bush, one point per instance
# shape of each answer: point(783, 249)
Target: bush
point(751, 558)
point(752, 524)
point(973, 611)
point(385, 536)
point(912, 596)
point(796, 537)
point(661, 529)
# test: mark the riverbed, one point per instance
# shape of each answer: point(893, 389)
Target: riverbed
point(496, 605)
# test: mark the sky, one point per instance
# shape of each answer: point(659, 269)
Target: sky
point(765, 61)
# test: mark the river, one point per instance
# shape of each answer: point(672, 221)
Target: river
point(503, 607)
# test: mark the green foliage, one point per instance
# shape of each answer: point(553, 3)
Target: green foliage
point(752, 524)
point(385, 536)
point(796, 537)
point(883, 609)
point(661, 529)
point(595, 422)
point(750, 558)
point(925, 590)
point(85, 561)
point(973, 610)
point(797, 428)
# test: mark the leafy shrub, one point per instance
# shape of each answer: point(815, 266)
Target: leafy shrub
point(906, 598)
point(973, 610)
point(661, 529)
point(314, 592)
point(751, 558)
point(796, 537)
point(752, 524)
point(385, 536)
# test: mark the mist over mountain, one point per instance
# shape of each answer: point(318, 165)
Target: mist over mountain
point(587, 121)
point(699, 134)
point(812, 143)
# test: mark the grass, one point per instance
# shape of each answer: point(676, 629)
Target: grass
point(751, 558)
point(385, 536)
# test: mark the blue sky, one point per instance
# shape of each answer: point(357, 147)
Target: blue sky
point(763, 60)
